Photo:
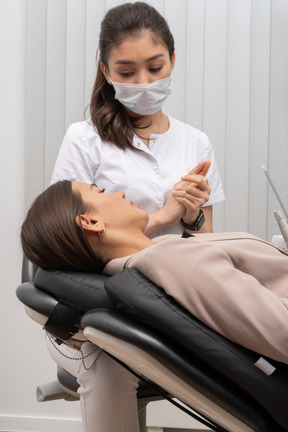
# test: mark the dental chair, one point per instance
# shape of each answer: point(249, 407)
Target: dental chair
point(221, 384)
point(51, 298)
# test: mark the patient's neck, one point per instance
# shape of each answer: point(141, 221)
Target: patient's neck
point(129, 245)
point(119, 243)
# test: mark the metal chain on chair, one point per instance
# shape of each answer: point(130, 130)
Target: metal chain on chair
point(82, 358)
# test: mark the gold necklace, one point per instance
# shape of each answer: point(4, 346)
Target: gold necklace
point(153, 140)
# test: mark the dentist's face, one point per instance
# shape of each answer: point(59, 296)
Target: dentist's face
point(139, 60)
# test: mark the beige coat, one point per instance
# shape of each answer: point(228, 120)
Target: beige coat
point(236, 283)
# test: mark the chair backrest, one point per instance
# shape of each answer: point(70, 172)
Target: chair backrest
point(28, 270)
point(57, 299)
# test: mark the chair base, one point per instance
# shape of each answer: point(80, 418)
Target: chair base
point(53, 391)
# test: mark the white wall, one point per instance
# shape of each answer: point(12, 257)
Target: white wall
point(12, 114)
point(231, 79)
point(24, 360)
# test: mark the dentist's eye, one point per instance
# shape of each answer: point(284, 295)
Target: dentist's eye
point(155, 69)
point(126, 74)
point(102, 190)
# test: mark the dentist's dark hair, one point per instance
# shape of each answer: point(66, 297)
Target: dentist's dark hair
point(129, 20)
point(50, 236)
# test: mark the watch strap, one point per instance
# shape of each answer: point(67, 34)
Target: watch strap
point(197, 224)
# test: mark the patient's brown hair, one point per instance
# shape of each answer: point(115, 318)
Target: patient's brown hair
point(50, 235)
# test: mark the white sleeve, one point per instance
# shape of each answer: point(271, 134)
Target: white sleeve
point(213, 176)
point(76, 158)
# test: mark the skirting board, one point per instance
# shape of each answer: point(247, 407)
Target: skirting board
point(42, 424)
point(38, 424)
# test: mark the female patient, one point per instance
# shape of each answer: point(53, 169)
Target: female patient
point(236, 283)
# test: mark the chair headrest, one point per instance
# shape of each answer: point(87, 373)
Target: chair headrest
point(81, 291)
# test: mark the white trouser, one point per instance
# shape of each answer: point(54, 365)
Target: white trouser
point(107, 391)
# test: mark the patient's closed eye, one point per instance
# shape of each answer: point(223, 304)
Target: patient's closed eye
point(100, 190)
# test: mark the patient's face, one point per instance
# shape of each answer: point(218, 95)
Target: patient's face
point(113, 208)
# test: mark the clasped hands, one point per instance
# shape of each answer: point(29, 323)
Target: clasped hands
point(188, 196)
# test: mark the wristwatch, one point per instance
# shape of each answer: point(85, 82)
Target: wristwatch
point(197, 224)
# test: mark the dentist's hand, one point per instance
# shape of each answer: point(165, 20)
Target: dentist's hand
point(193, 191)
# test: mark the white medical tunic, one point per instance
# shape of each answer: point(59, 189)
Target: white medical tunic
point(146, 176)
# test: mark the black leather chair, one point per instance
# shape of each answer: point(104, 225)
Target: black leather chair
point(229, 387)
point(51, 298)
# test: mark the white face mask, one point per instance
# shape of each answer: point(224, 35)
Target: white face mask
point(143, 99)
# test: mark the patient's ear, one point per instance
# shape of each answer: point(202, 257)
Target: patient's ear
point(91, 224)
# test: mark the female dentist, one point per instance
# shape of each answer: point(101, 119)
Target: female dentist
point(130, 144)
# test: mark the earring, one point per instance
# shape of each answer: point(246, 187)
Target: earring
point(103, 233)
